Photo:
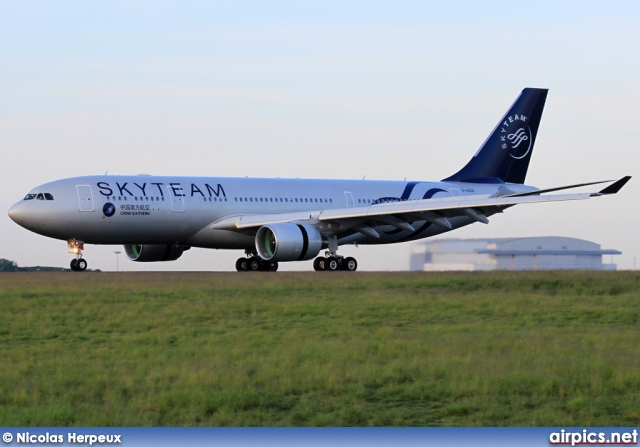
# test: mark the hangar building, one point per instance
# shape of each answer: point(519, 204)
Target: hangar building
point(529, 253)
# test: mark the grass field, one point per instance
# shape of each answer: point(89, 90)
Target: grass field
point(320, 349)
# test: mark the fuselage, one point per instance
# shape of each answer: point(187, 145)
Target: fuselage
point(166, 210)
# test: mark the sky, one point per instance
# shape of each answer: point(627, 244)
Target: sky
point(320, 89)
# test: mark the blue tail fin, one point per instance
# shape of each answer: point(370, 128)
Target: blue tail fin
point(505, 155)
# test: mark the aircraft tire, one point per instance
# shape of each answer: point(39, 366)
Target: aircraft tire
point(332, 264)
point(350, 264)
point(272, 267)
point(241, 264)
point(73, 265)
point(253, 264)
point(81, 265)
point(316, 264)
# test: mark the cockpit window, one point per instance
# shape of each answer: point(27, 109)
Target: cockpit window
point(29, 197)
point(40, 196)
point(48, 196)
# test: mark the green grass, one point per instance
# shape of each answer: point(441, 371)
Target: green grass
point(318, 349)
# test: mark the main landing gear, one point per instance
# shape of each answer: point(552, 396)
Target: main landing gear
point(254, 263)
point(333, 263)
point(78, 264)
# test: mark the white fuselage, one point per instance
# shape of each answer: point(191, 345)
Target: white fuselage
point(167, 210)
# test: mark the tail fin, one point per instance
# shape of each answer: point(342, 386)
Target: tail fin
point(505, 154)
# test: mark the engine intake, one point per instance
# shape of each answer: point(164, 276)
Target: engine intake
point(154, 253)
point(283, 242)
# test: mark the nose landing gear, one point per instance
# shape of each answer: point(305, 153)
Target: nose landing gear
point(78, 264)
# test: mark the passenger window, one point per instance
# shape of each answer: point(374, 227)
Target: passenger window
point(29, 197)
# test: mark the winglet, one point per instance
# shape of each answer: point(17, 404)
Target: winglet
point(614, 187)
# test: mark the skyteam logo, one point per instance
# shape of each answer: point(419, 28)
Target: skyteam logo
point(517, 140)
point(108, 209)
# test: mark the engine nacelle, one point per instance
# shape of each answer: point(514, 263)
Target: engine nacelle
point(281, 242)
point(154, 253)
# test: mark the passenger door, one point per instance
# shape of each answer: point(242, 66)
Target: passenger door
point(85, 198)
point(177, 202)
point(349, 197)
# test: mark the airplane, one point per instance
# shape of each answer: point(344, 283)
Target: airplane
point(158, 218)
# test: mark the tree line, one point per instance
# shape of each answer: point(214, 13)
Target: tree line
point(7, 265)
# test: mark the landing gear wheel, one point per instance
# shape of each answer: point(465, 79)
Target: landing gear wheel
point(241, 264)
point(77, 264)
point(350, 264)
point(253, 264)
point(316, 264)
point(331, 264)
point(272, 266)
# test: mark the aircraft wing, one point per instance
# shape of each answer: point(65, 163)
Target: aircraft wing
point(400, 214)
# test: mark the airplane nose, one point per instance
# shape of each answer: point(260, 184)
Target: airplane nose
point(18, 213)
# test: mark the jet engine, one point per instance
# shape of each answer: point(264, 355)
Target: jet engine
point(154, 253)
point(281, 242)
